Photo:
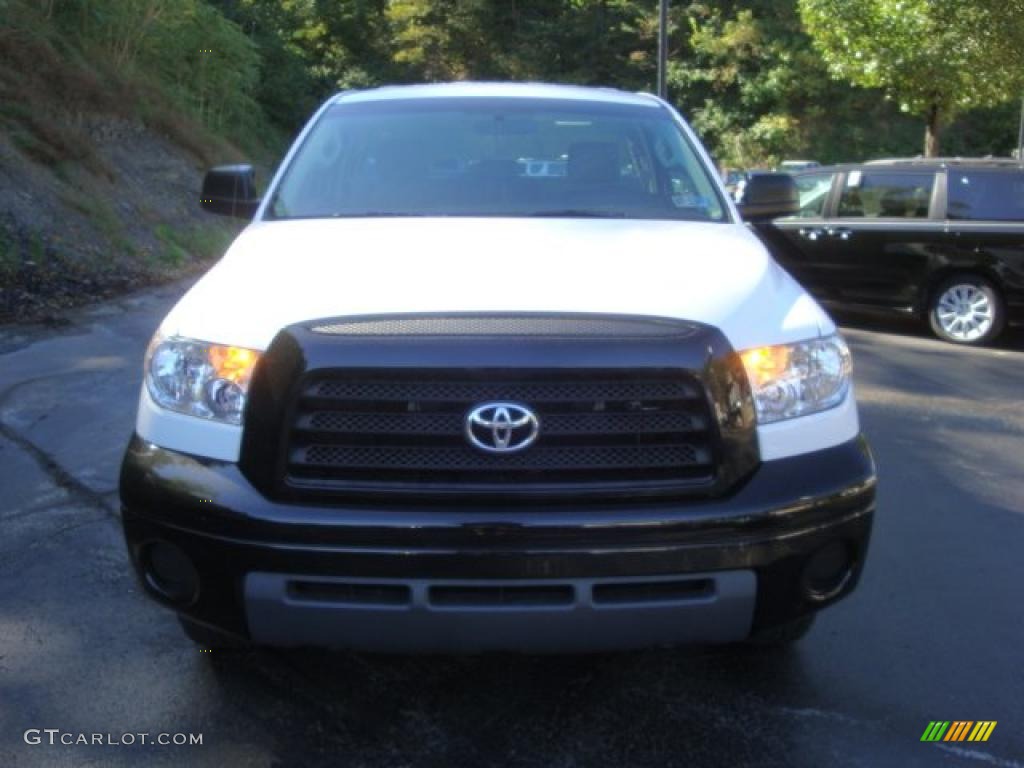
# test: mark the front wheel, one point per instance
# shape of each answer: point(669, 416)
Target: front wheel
point(966, 309)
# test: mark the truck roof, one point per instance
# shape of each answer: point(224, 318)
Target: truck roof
point(499, 90)
point(921, 164)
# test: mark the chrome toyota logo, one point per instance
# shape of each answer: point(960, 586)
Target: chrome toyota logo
point(502, 427)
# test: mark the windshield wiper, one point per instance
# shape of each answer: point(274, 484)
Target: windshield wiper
point(576, 213)
point(375, 214)
point(564, 213)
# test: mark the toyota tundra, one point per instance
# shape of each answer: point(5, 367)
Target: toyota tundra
point(496, 367)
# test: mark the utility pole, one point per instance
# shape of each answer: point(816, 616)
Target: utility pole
point(1020, 135)
point(663, 49)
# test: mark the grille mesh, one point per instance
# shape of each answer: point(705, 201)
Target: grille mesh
point(404, 432)
point(471, 390)
point(498, 325)
point(443, 459)
point(452, 423)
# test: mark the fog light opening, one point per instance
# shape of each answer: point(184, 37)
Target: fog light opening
point(828, 571)
point(170, 573)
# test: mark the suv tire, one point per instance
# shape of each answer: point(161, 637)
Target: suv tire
point(966, 309)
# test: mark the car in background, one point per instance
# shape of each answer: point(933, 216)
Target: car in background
point(792, 166)
point(939, 239)
point(732, 178)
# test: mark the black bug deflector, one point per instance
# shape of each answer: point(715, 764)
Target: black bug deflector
point(364, 407)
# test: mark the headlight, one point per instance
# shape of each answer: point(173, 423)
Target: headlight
point(797, 379)
point(200, 379)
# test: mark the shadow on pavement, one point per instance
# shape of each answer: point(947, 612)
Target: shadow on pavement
point(1012, 337)
point(643, 708)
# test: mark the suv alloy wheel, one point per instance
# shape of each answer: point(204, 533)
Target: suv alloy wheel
point(966, 309)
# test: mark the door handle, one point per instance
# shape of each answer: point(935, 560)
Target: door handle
point(811, 233)
point(843, 233)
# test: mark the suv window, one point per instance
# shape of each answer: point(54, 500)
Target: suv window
point(813, 189)
point(880, 194)
point(497, 157)
point(989, 196)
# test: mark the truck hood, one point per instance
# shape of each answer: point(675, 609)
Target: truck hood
point(278, 273)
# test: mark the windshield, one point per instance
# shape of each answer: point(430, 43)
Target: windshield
point(496, 157)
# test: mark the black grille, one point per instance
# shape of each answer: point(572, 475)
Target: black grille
point(403, 431)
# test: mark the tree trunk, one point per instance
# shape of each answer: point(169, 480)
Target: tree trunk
point(931, 132)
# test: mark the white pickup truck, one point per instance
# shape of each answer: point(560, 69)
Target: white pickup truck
point(432, 399)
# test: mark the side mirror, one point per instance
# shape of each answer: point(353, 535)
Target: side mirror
point(767, 196)
point(230, 190)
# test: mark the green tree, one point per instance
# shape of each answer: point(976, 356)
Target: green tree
point(289, 86)
point(444, 39)
point(350, 42)
point(598, 42)
point(747, 75)
point(935, 58)
point(734, 77)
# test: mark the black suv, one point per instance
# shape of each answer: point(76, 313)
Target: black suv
point(941, 239)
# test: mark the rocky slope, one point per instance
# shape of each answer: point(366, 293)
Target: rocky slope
point(73, 232)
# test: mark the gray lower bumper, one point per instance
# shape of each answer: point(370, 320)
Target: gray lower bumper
point(400, 615)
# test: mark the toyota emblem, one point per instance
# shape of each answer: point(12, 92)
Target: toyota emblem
point(502, 427)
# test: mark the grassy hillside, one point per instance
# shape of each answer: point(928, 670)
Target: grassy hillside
point(110, 109)
point(109, 112)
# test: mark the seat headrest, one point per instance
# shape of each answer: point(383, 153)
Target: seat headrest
point(893, 203)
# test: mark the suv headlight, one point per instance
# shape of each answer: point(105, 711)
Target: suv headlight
point(792, 380)
point(200, 379)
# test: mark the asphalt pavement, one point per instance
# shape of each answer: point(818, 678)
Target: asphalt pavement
point(934, 632)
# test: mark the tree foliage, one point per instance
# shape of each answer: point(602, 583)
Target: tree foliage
point(741, 81)
point(578, 41)
point(935, 58)
point(761, 80)
point(197, 57)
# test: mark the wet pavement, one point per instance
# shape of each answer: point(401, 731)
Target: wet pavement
point(934, 632)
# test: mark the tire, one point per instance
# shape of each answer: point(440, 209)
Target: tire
point(966, 309)
point(781, 635)
point(208, 638)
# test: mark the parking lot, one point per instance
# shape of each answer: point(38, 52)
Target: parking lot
point(933, 633)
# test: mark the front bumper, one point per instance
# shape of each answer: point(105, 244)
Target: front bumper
point(451, 577)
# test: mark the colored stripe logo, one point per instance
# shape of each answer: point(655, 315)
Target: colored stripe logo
point(958, 730)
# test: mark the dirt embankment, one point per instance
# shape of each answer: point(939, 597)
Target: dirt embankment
point(70, 234)
point(99, 180)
